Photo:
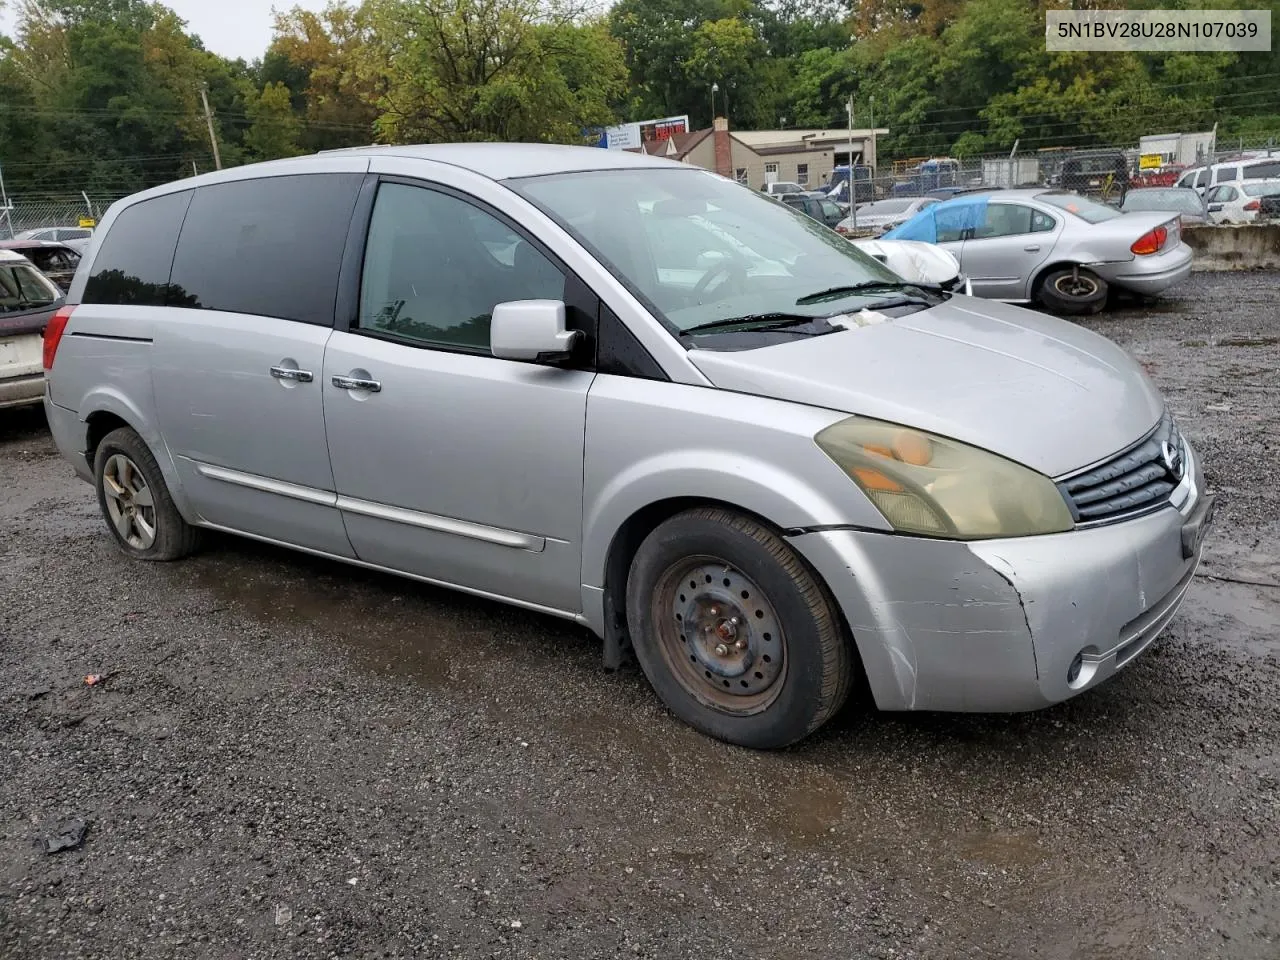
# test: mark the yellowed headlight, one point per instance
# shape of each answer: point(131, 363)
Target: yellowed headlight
point(930, 485)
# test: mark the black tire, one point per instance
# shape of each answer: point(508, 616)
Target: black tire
point(145, 503)
point(799, 677)
point(1072, 291)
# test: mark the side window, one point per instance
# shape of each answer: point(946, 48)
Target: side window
point(1202, 179)
point(132, 266)
point(951, 224)
point(829, 208)
point(1227, 174)
point(1229, 194)
point(1042, 222)
point(270, 247)
point(435, 266)
point(1004, 220)
point(1262, 171)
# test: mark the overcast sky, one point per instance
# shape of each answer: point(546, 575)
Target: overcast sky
point(233, 28)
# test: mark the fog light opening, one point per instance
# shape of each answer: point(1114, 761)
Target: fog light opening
point(1082, 668)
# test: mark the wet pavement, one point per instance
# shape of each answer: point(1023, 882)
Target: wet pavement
point(290, 757)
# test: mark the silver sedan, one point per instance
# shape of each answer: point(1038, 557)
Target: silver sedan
point(1052, 247)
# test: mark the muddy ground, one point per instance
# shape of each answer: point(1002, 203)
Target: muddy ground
point(294, 758)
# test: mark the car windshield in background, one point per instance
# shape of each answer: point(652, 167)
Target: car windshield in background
point(1179, 201)
point(1090, 211)
point(1268, 189)
point(23, 288)
point(699, 249)
point(884, 207)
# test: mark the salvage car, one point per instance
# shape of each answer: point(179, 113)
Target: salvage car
point(795, 476)
point(1054, 248)
point(918, 262)
point(28, 301)
point(57, 261)
point(882, 215)
point(1241, 201)
point(1185, 202)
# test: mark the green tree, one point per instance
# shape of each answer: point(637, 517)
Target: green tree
point(273, 126)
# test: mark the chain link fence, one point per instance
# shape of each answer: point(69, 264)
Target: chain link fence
point(67, 211)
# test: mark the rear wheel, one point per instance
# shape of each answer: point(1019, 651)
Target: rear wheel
point(135, 501)
point(1073, 291)
point(734, 632)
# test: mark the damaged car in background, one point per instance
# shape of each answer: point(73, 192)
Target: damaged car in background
point(694, 421)
point(1052, 248)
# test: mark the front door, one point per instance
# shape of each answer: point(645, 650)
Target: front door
point(451, 464)
point(1003, 251)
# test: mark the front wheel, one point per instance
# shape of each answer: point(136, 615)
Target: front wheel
point(1073, 291)
point(734, 632)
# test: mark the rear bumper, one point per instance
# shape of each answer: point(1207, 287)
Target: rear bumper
point(21, 391)
point(1149, 275)
point(70, 435)
point(996, 626)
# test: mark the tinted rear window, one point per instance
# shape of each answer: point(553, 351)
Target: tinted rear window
point(270, 247)
point(1262, 171)
point(133, 264)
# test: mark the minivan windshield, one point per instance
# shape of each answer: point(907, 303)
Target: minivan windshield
point(699, 249)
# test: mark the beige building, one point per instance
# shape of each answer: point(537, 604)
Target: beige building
point(757, 157)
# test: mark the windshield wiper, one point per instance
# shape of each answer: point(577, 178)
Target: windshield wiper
point(758, 321)
point(868, 286)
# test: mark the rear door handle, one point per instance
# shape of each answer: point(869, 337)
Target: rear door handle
point(357, 383)
point(1034, 248)
point(292, 373)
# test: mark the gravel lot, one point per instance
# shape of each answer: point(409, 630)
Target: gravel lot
point(294, 758)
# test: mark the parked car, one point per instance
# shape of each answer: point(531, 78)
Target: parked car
point(767, 482)
point(1102, 174)
point(28, 301)
point(781, 188)
point(57, 261)
point(1054, 248)
point(1205, 178)
point(55, 234)
point(918, 262)
point(819, 208)
point(1185, 202)
point(881, 215)
point(1239, 202)
point(1268, 207)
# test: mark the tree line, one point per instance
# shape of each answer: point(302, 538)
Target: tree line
point(108, 95)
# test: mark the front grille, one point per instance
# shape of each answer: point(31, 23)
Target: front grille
point(1139, 480)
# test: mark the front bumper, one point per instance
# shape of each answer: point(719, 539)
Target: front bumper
point(996, 625)
point(1149, 275)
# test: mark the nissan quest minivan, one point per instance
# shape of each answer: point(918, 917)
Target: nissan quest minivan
point(639, 396)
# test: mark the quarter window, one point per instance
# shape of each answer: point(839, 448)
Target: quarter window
point(436, 266)
point(132, 267)
point(1042, 222)
point(269, 247)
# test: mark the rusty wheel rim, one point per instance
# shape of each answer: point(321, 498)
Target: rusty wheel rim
point(720, 635)
point(1075, 287)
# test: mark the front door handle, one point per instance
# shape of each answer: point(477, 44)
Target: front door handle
point(357, 383)
point(1034, 248)
point(292, 373)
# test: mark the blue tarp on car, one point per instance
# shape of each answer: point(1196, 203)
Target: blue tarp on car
point(943, 222)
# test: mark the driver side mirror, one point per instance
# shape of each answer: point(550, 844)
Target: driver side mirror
point(531, 330)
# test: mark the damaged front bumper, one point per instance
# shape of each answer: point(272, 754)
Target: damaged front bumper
point(1009, 625)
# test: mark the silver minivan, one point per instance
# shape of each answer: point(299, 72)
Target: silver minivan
point(756, 458)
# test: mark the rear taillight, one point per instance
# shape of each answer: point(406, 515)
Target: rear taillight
point(53, 334)
point(1151, 241)
point(1253, 205)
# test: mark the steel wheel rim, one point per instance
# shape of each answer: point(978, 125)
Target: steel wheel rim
point(130, 503)
point(726, 650)
point(1076, 287)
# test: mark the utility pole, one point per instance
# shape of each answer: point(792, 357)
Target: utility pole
point(208, 117)
point(853, 194)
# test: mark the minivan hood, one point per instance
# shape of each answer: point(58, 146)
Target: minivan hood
point(1041, 391)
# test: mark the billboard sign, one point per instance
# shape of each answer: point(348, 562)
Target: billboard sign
point(629, 136)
